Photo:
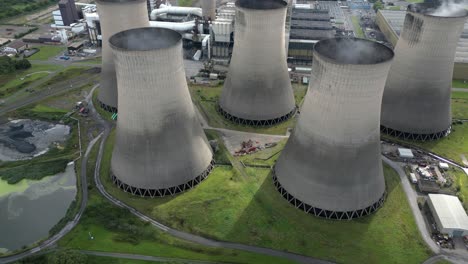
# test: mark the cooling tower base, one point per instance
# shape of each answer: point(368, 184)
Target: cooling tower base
point(413, 136)
point(255, 123)
point(108, 108)
point(163, 192)
point(336, 215)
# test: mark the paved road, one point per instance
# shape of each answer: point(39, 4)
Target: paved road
point(70, 225)
point(190, 237)
point(460, 90)
point(143, 257)
point(412, 200)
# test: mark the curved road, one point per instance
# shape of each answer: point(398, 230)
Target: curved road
point(70, 225)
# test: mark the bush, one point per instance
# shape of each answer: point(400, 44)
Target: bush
point(22, 64)
point(7, 65)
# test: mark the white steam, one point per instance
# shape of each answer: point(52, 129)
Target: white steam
point(450, 8)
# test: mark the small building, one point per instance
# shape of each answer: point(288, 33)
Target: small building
point(16, 47)
point(405, 153)
point(443, 166)
point(449, 214)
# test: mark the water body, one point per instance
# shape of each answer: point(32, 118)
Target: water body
point(24, 139)
point(27, 214)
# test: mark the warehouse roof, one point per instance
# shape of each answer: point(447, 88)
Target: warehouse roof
point(450, 211)
point(311, 34)
point(396, 19)
point(304, 24)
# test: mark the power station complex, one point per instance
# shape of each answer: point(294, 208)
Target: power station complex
point(416, 101)
point(331, 166)
point(160, 146)
point(258, 90)
point(116, 16)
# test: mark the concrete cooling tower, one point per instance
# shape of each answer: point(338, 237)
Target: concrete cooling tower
point(257, 90)
point(209, 9)
point(331, 166)
point(416, 101)
point(116, 16)
point(160, 147)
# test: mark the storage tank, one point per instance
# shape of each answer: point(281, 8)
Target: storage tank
point(209, 9)
point(115, 16)
point(257, 90)
point(331, 166)
point(160, 147)
point(416, 101)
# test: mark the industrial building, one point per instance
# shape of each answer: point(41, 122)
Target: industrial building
point(449, 214)
point(416, 101)
point(308, 25)
point(116, 15)
point(68, 13)
point(257, 90)
point(391, 24)
point(160, 147)
point(331, 166)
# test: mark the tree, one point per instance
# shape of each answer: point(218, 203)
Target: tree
point(22, 64)
point(67, 256)
point(378, 5)
point(7, 65)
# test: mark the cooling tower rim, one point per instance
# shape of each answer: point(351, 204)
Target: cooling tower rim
point(155, 39)
point(380, 49)
point(424, 9)
point(104, 2)
point(261, 5)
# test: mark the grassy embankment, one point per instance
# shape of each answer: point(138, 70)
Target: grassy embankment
point(47, 52)
point(206, 99)
point(11, 83)
point(357, 27)
point(460, 84)
point(452, 146)
point(243, 206)
point(103, 113)
point(116, 230)
point(460, 105)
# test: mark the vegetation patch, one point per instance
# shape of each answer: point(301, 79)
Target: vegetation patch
point(242, 205)
point(206, 99)
point(357, 27)
point(33, 170)
point(47, 52)
point(459, 83)
point(452, 146)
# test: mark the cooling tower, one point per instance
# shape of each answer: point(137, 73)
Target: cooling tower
point(160, 147)
point(331, 166)
point(416, 101)
point(116, 16)
point(209, 9)
point(257, 90)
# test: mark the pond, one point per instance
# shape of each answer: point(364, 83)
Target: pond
point(29, 209)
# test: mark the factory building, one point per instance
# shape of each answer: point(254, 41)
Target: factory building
point(116, 15)
point(391, 24)
point(308, 25)
point(160, 147)
point(331, 166)
point(68, 13)
point(257, 90)
point(449, 214)
point(416, 101)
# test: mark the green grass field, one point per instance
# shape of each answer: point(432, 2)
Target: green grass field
point(460, 84)
point(12, 83)
point(99, 219)
point(462, 182)
point(460, 108)
point(47, 52)
point(415, 1)
point(103, 113)
point(206, 99)
point(357, 26)
point(452, 146)
point(249, 210)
